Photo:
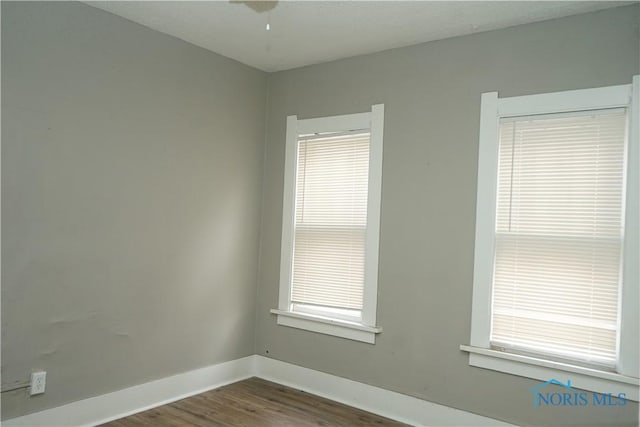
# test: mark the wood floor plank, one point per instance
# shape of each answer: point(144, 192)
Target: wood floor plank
point(261, 410)
point(254, 403)
point(269, 406)
point(319, 407)
point(322, 411)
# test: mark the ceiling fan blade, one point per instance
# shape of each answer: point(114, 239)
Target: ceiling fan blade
point(257, 6)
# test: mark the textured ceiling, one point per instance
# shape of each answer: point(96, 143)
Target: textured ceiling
point(310, 32)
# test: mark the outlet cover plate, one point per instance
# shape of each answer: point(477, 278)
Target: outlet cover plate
point(38, 382)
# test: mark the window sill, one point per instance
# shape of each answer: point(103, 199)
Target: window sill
point(328, 326)
point(541, 369)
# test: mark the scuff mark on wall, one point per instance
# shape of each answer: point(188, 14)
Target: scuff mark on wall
point(71, 318)
point(49, 351)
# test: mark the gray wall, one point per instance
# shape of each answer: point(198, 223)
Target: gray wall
point(131, 183)
point(132, 175)
point(431, 94)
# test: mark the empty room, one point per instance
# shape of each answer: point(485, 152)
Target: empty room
point(320, 213)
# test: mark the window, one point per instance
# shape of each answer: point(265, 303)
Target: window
point(556, 257)
point(331, 221)
point(558, 237)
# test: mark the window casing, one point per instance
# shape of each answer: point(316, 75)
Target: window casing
point(331, 217)
point(556, 257)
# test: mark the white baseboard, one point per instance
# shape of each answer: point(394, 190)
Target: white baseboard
point(111, 406)
point(397, 406)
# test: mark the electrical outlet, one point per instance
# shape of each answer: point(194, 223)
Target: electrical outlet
point(38, 382)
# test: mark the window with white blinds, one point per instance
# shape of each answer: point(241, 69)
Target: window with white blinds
point(556, 277)
point(559, 235)
point(331, 225)
point(331, 221)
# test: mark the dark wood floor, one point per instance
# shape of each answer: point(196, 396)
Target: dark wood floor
point(254, 403)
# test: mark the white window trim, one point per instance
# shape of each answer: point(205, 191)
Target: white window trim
point(543, 370)
point(364, 330)
point(481, 355)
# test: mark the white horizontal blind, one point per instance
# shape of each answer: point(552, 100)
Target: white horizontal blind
point(559, 234)
point(330, 220)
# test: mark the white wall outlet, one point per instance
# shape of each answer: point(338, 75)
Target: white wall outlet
point(38, 382)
